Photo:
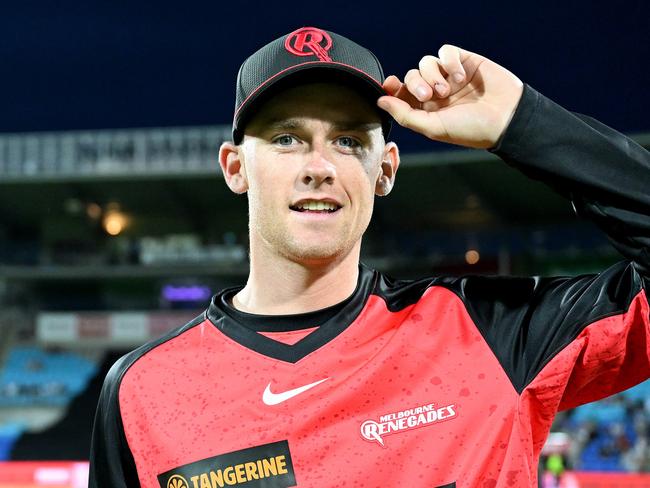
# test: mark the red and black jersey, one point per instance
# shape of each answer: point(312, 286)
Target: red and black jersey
point(438, 382)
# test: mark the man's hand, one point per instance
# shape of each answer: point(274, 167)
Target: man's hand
point(459, 97)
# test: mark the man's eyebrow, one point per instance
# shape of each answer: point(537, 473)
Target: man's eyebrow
point(356, 126)
point(282, 124)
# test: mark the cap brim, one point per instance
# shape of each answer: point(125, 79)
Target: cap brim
point(313, 71)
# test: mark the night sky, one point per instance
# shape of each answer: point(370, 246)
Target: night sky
point(109, 64)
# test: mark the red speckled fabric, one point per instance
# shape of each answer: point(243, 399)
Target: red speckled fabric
point(199, 395)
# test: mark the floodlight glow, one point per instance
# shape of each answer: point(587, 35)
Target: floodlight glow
point(114, 223)
point(472, 256)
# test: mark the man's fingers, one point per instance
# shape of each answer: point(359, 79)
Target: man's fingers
point(441, 76)
point(431, 73)
point(450, 57)
point(412, 118)
point(396, 88)
point(392, 84)
point(417, 85)
point(401, 111)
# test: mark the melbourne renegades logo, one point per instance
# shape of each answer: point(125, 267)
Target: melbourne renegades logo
point(405, 420)
point(309, 41)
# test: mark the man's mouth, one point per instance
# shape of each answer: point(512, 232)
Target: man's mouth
point(315, 206)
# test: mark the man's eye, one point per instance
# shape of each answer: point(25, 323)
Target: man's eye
point(284, 140)
point(347, 141)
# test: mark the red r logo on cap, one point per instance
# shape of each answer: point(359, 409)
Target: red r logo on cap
point(309, 41)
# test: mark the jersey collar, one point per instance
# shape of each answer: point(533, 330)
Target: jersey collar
point(248, 336)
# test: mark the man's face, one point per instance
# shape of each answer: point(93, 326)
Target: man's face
point(312, 158)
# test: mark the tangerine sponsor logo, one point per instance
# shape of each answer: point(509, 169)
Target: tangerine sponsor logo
point(177, 481)
point(265, 466)
point(405, 420)
point(241, 473)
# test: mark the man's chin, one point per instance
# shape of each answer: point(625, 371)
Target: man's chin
point(316, 253)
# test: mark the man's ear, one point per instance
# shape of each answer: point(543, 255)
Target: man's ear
point(389, 165)
point(234, 172)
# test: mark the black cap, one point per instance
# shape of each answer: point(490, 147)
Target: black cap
point(305, 55)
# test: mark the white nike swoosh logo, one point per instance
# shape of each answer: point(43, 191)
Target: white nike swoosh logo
point(271, 398)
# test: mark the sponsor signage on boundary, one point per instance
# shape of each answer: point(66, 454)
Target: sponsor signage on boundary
point(50, 474)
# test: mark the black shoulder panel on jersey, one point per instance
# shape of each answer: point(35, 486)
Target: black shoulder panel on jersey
point(111, 461)
point(527, 321)
point(399, 294)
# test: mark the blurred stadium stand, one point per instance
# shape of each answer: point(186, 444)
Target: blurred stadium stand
point(33, 376)
point(111, 238)
point(611, 435)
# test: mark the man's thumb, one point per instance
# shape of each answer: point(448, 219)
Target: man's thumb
point(404, 114)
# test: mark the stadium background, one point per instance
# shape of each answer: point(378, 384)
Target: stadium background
point(115, 224)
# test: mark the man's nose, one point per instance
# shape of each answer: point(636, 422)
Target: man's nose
point(317, 170)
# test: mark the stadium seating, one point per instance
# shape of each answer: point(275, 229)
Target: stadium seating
point(9, 434)
point(615, 431)
point(32, 376)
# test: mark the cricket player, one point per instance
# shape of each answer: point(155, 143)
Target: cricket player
point(321, 372)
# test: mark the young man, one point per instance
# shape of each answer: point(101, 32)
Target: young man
point(320, 372)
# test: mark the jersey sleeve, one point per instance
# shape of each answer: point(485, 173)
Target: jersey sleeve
point(582, 338)
point(111, 462)
point(605, 174)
